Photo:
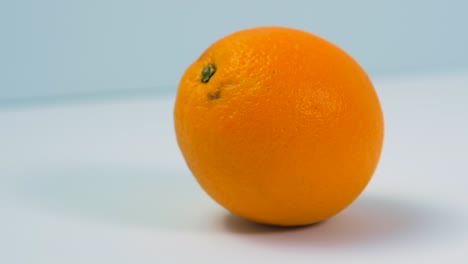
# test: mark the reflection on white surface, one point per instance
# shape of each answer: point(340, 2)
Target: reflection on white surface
point(117, 195)
point(105, 183)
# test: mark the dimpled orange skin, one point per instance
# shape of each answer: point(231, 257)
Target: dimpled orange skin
point(287, 131)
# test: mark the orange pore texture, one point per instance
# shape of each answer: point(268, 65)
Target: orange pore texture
point(287, 131)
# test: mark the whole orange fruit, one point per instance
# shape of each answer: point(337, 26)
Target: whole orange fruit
point(278, 125)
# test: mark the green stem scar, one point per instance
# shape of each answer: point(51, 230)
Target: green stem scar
point(207, 72)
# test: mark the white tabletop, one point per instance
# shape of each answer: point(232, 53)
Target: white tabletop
point(104, 182)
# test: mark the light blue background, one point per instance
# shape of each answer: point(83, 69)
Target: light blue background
point(72, 48)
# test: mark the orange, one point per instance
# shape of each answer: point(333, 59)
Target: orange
point(278, 125)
